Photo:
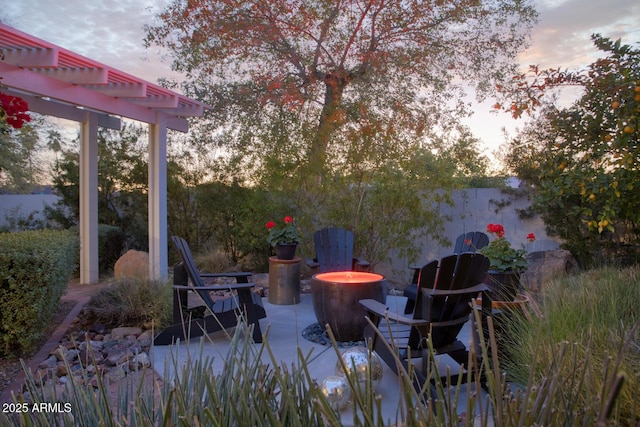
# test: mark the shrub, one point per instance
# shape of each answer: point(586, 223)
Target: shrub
point(35, 267)
point(212, 260)
point(110, 243)
point(131, 302)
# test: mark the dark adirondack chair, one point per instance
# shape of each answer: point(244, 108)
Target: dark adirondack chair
point(442, 308)
point(216, 315)
point(334, 252)
point(466, 242)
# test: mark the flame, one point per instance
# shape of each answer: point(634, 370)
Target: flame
point(355, 277)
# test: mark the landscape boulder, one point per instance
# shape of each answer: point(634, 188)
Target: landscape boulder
point(132, 264)
point(547, 265)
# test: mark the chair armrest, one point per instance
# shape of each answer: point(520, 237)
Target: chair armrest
point(439, 292)
point(382, 311)
point(361, 262)
point(232, 274)
point(231, 286)
point(312, 263)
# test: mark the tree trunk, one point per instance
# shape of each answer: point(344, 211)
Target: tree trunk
point(331, 117)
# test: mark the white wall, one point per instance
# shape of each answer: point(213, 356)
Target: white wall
point(21, 205)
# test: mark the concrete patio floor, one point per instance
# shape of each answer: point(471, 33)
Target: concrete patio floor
point(283, 327)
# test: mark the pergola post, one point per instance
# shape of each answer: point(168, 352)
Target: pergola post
point(89, 267)
point(158, 258)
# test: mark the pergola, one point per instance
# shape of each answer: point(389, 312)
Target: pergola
point(60, 83)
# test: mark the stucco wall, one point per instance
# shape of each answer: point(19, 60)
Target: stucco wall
point(473, 209)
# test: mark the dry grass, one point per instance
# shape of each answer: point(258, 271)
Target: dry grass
point(131, 302)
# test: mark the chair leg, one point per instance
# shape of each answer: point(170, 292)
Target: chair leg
point(248, 307)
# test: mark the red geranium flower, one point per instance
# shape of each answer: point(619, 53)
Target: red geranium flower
point(270, 225)
point(288, 220)
point(496, 229)
point(531, 237)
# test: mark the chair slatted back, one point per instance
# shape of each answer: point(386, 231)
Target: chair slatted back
point(456, 272)
point(334, 249)
point(470, 242)
point(194, 275)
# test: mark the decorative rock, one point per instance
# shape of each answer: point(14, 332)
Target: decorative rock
point(139, 361)
point(545, 266)
point(93, 345)
point(145, 339)
point(132, 264)
point(99, 328)
point(49, 363)
point(62, 369)
point(118, 356)
point(117, 333)
point(116, 374)
point(61, 353)
point(84, 356)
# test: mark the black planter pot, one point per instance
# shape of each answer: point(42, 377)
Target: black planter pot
point(286, 252)
point(505, 285)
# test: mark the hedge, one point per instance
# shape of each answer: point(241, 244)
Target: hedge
point(35, 267)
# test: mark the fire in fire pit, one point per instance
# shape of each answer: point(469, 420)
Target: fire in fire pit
point(335, 300)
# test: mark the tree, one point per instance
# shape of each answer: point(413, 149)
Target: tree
point(285, 75)
point(20, 159)
point(584, 160)
point(122, 184)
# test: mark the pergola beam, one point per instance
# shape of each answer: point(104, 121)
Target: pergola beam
point(60, 83)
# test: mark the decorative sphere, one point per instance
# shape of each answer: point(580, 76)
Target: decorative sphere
point(336, 389)
point(359, 361)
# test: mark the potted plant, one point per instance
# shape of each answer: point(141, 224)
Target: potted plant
point(507, 264)
point(284, 239)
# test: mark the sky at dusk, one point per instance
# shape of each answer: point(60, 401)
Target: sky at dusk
point(111, 32)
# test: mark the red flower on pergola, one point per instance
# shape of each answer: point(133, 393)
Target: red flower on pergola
point(13, 110)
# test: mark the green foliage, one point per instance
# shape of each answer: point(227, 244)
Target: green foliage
point(230, 218)
point(21, 166)
point(502, 256)
point(35, 267)
point(122, 183)
point(16, 221)
point(131, 302)
point(110, 244)
point(583, 160)
point(590, 324)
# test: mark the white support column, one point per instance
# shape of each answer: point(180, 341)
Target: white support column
point(89, 267)
point(158, 259)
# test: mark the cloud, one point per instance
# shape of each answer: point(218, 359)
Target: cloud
point(108, 32)
point(563, 36)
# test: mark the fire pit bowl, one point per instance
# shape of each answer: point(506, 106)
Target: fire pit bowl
point(335, 300)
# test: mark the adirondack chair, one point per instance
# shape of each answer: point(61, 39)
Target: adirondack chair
point(466, 242)
point(214, 315)
point(334, 252)
point(441, 311)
